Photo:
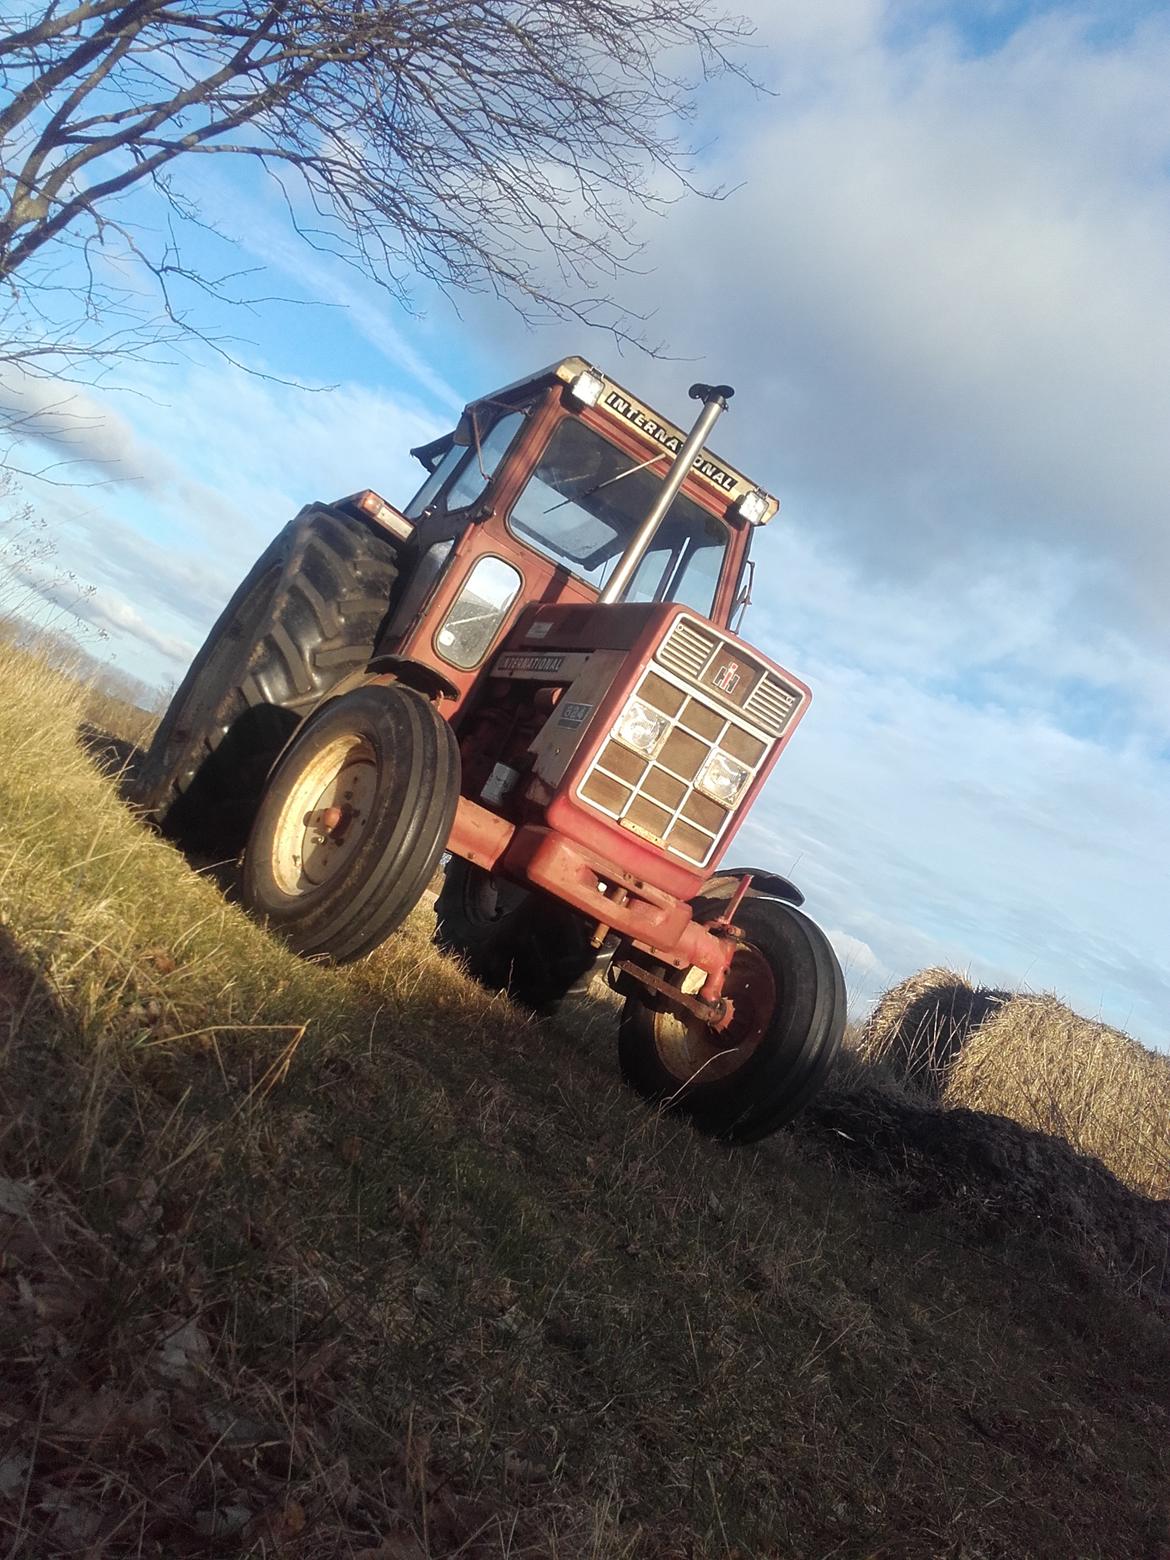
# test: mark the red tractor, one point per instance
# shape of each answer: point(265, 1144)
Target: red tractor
point(531, 668)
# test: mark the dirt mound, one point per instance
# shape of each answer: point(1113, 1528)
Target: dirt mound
point(1006, 1179)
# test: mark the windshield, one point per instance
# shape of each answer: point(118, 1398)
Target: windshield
point(585, 500)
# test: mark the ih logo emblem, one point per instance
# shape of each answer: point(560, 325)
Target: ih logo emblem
point(726, 679)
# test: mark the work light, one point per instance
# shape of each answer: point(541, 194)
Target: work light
point(587, 387)
point(753, 507)
point(374, 505)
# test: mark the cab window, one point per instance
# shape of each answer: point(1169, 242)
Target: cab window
point(464, 472)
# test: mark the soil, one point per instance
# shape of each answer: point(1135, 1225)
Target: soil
point(1007, 1178)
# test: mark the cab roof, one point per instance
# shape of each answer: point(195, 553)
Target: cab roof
point(626, 410)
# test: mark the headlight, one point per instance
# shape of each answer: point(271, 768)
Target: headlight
point(722, 779)
point(641, 728)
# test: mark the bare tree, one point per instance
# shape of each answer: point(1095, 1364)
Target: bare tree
point(479, 144)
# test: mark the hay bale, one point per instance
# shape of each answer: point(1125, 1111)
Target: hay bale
point(920, 1026)
point(1032, 1059)
point(1042, 1064)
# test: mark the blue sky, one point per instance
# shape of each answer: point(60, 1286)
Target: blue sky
point(940, 287)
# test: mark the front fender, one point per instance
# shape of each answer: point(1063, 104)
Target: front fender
point(765, 885)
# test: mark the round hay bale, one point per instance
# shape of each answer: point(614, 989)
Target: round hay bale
point(1042, 1064)
point(920, 1025)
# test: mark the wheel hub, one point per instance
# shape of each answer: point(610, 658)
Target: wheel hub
point(325, 817)
point(693, 1049)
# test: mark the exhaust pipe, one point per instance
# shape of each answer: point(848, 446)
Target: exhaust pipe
point(714, 399)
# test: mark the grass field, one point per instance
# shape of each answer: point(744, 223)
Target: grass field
point(311, 1263)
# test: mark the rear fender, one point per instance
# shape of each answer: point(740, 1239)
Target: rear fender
point(394, 668)
point(413, 674)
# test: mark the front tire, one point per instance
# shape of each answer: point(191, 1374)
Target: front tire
point(790, 1009)
point(534, 948)
point(353, 822)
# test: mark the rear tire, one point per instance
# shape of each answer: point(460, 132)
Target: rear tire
point(307, 614)
point(790, 1009)
point(532, 947)
point(353, 822)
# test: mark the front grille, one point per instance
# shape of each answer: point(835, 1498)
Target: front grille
point(694, 652)
point(687, 649)
point(657, 797)
point(771, 705)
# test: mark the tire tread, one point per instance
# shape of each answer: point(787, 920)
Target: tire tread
point(350, 922)
point(308, 612)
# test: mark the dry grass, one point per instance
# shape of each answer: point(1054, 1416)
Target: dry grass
point(305, 1263)
point(1032, 1059)
point(123, 709)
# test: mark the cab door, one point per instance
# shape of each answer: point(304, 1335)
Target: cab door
point(472, 577)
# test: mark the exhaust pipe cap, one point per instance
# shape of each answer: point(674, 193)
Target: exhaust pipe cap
point(720, 393)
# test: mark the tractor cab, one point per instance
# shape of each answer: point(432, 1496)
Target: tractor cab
point(535, 497)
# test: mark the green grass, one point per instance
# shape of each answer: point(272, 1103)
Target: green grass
point(313, 1263)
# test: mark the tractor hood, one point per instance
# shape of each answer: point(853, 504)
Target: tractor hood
point(663, 732)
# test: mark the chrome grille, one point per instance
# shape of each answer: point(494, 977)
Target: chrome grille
point(657, 796)
point(687, 649)
point(771, 705)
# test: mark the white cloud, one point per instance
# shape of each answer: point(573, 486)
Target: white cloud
point(201, 468)
point(37, 593)
point(946, 300)
point(859, 964)
point(937, 832)
point(116, 615)
point(265, 448)
point(92, 442)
